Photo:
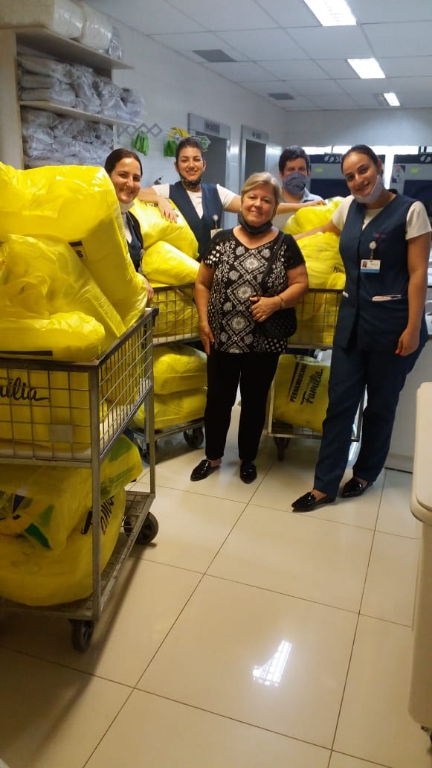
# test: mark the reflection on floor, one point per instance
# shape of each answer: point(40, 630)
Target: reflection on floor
point(244, 636)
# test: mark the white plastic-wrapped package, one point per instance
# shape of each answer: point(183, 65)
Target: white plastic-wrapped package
point(61, 16)
point(39, 65)
point(135, 105)
point(97, 30)
point(29, 80)
point(115, 49)
point(32, 118)
point(83, 83)
point(60, 94)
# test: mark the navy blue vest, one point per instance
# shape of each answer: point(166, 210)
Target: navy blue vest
point(377, 324)
point(212, 206)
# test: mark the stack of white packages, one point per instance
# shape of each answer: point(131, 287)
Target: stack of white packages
point(63, 17)
point(50, 139)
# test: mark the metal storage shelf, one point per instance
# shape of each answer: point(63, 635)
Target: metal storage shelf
point(58, 109)
point(48, 42)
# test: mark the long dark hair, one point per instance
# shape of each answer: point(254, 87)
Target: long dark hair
point(363, 149)
point(117, 155)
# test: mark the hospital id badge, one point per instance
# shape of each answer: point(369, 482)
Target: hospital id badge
point(371, 266)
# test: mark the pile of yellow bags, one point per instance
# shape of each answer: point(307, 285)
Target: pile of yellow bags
point(45, 526)
point(180, 378)
point(312, 216)
point(301, 392)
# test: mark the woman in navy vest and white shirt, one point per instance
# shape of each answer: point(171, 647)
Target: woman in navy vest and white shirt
point(381, 328)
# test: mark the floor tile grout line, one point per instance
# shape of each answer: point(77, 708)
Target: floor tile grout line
point(228, 717)
point(360, 759)
point(108, 728)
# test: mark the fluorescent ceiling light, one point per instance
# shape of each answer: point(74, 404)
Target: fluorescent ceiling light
point(392, 99)
point(331, 13)
point(366, 68)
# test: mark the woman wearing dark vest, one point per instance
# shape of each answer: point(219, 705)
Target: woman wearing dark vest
point(201, 204)
point(125, 171)
point(381, 328)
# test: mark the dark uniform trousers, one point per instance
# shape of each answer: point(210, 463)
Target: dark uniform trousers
point(255, 372)
point(383, 375)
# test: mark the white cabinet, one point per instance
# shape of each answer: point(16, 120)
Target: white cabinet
point(44, 42)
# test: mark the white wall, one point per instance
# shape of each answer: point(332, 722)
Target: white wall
point(173, 86)
point(363, 126)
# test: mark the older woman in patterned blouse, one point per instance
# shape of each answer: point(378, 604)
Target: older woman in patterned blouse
point(231, 308)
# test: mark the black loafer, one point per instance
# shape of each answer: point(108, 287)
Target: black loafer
point(203, 470)
point(248, 471)
point(354, 488)
point(309, 501)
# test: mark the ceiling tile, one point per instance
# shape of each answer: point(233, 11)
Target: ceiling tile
point(188, 42)
point(413, 100)
point(372, 11)
point(367, 101)
point(299, 103)
point(263, 88)
point(359, 86)
point(334, 101)
point(336, 68)
point(313, 87)
point(241, 71)
point(302, 70)
point(402, 39)
point(224, 14)
point(294, 13)
point(409, 84)
point(270, 45)
point(332, 42)
point(158, 16)
point(410, 66)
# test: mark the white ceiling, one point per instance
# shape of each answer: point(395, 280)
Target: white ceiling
point(280, 47)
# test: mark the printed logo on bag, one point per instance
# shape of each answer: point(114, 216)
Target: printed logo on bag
point(313, 387)
point(105, 516)
point(16, 389)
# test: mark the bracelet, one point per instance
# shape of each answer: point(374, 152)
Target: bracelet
point(283, 306)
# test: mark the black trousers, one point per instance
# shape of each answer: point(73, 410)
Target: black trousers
point(383, 375)
point(254, 371)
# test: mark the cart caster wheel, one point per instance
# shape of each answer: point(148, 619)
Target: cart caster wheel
point(281, 443)
point(194, 437)
point(82, 633)
point(428, 731)
point(149, 530)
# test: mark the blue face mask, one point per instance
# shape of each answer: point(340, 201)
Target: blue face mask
point(294, 183)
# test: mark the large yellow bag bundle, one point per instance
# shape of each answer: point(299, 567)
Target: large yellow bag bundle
point(70, 336)
point(77, 204)
point(178, 316)
point(44, 277)
point(155, 228)
point(175, 409)
point(323, 260)
point(178, 368)
point(46, 503)
point(302, 401)
point(316, 318)
point(34, 575)
point(165, 264)
point(312, 216)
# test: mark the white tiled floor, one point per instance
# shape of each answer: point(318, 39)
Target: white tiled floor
point(245, 636)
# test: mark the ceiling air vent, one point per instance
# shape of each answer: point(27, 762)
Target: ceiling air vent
point(214, 55)
point(282, 96)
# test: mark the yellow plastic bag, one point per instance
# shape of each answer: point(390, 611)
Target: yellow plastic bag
point(46, 502)
point(165, 264)
point(77, 204)
point(178, 368)
point(155, 228)
point(69, 336)
point(312, 216)
point(33, 575)
point(45, 277)
point(302, 401)
point(177, 316)
point(174, 409)
point(323, 260)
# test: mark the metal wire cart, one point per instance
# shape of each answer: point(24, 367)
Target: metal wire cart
point(84, 409)
point(316, 324)
point(176, 321)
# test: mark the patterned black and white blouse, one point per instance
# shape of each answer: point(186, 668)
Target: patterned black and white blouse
point(238, 274)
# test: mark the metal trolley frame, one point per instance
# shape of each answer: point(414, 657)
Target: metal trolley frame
point(316, 324)
point(175, 321)
point(84, 409)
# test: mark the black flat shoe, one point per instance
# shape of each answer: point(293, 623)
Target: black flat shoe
point(248, 471)
point(354, 488)
point(203, 470)
point(309, 501)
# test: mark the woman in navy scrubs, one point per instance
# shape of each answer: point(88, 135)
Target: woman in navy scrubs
point(381, 328)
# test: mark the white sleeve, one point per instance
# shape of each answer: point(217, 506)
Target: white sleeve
point(225, 195)
point(340, 214)
point(161, 189)
point(417, 222)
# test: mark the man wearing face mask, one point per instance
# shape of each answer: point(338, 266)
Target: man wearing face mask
point(294, 169)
